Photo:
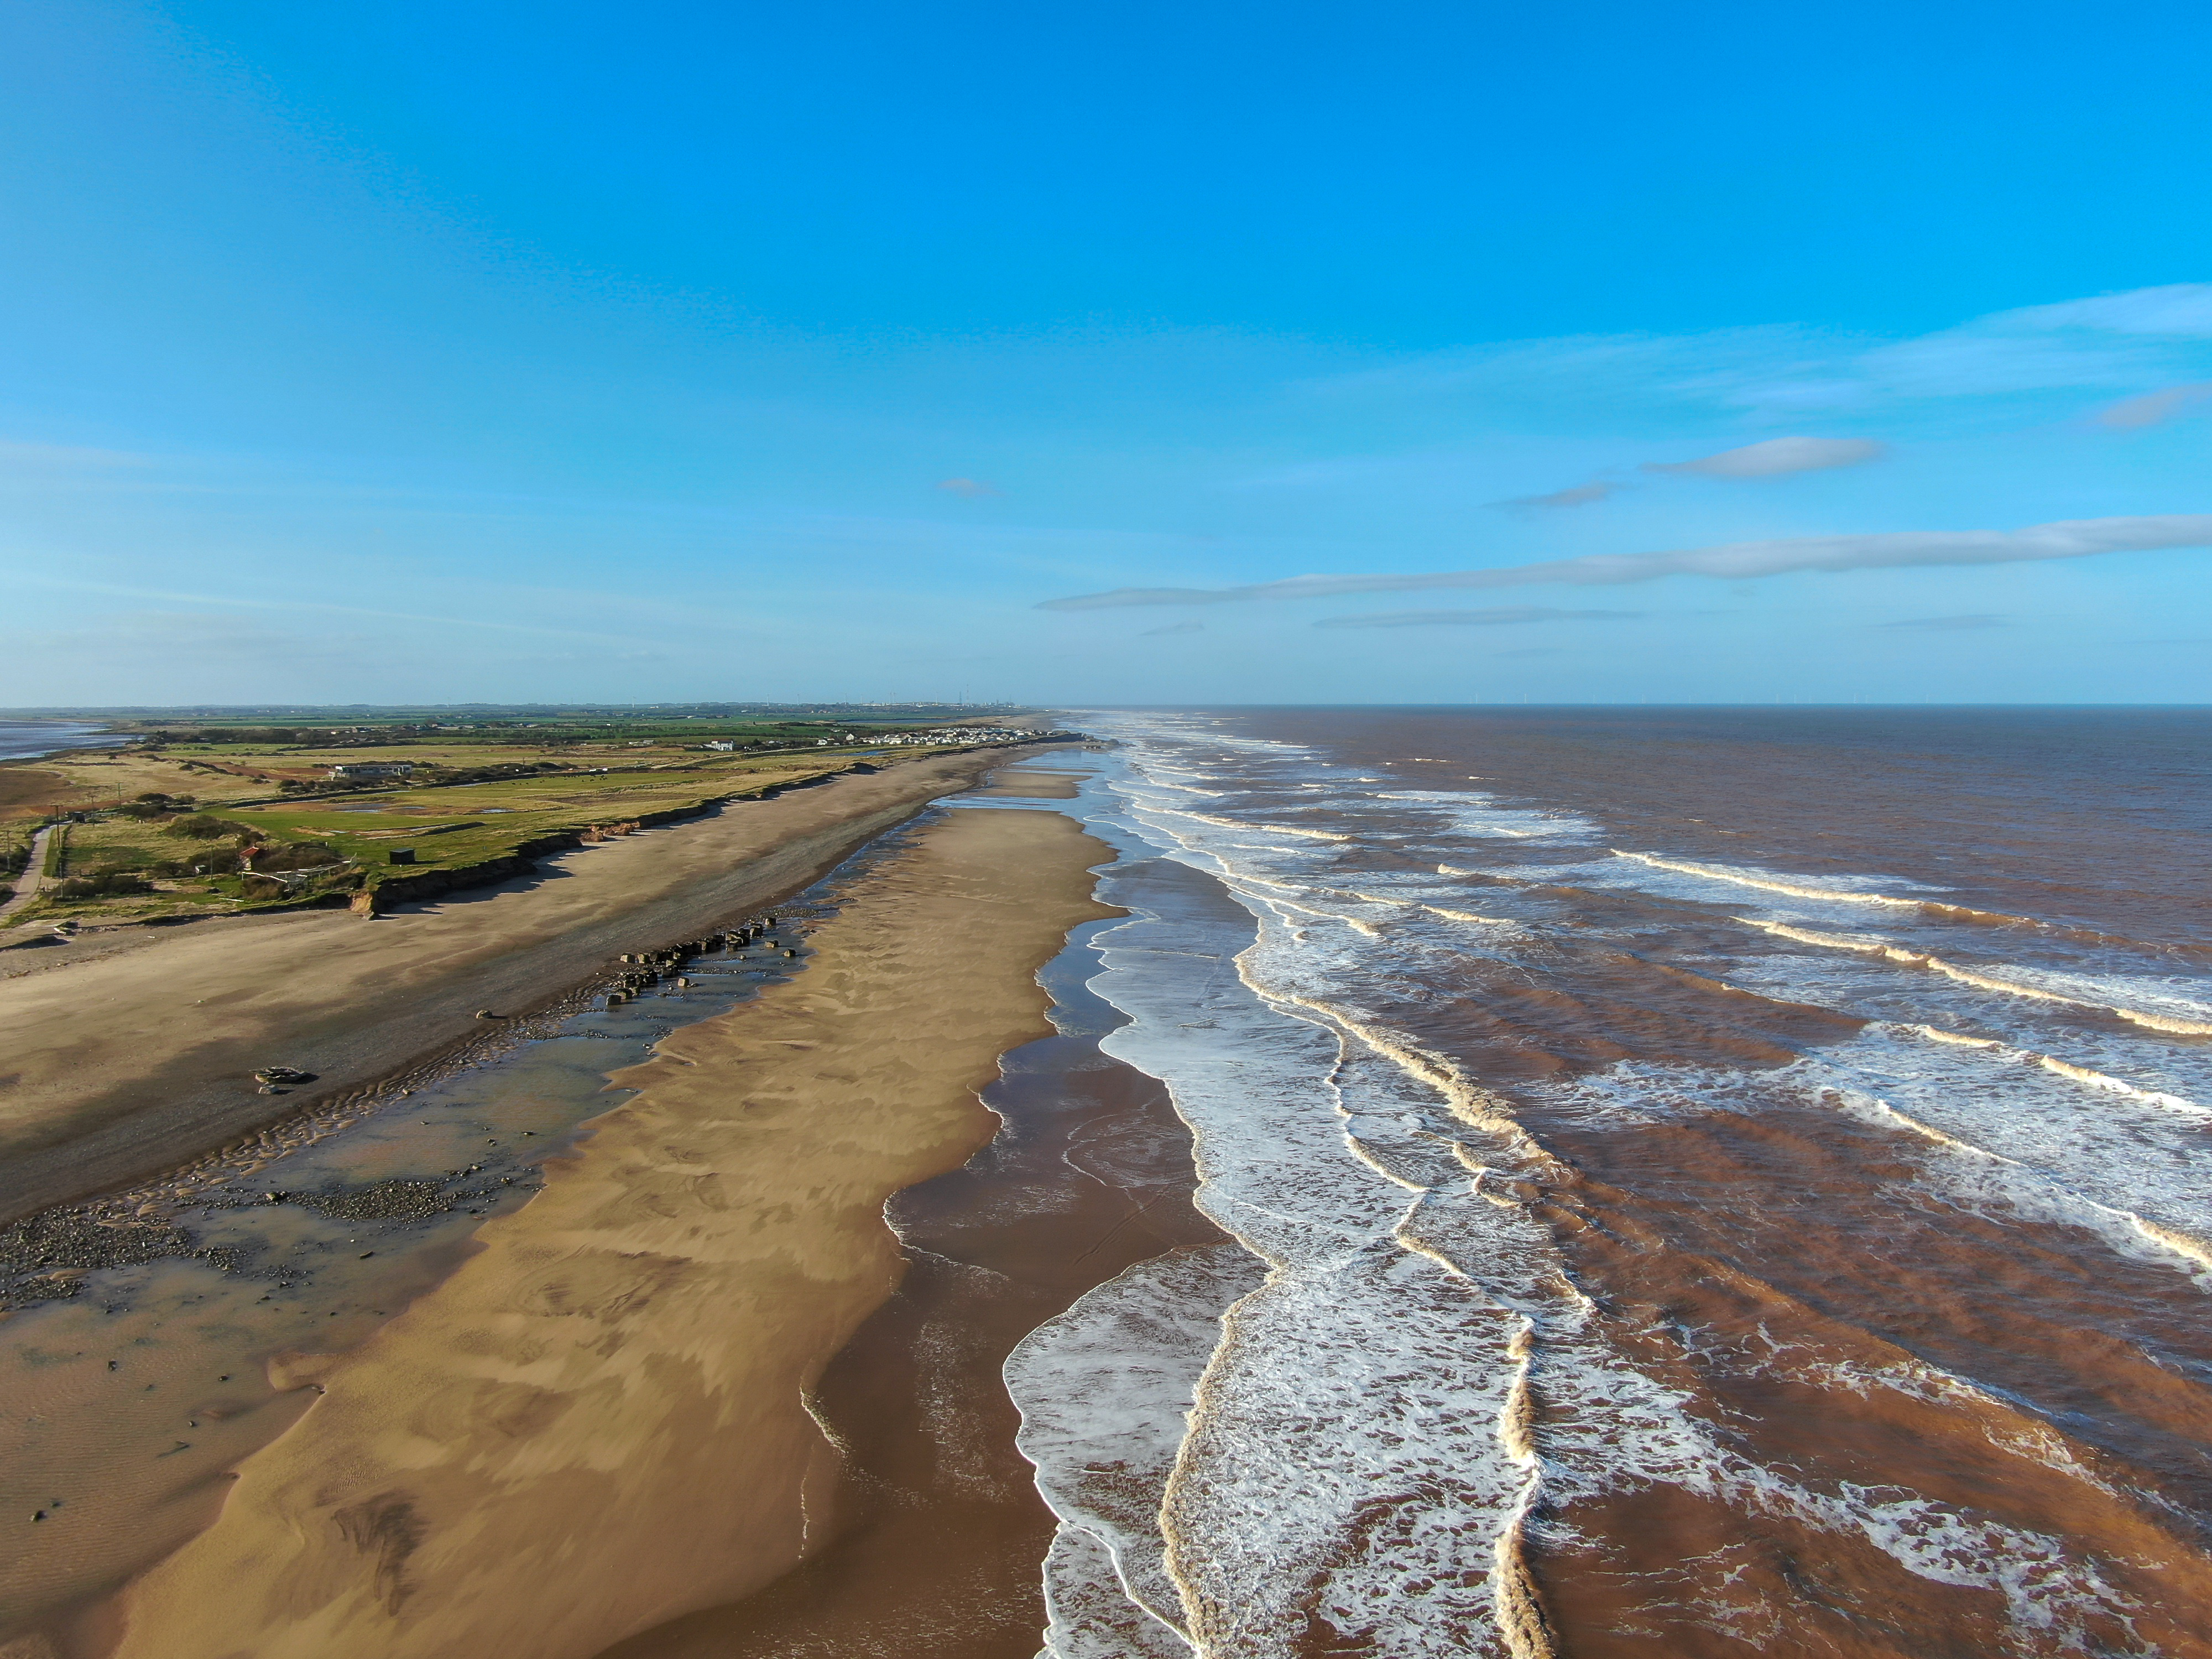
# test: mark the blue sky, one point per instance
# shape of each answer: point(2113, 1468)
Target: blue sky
point(402, 352)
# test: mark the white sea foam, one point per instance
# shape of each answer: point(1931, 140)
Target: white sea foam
point(1607, 1427)
point(1839, 889)
point(1853, 975)
point(1090, 1613)
point(1473, 813)
point(1469, 916)
point(2160, 1008)
point(1271, 828)
point(2094, 1079)
point(2091, 1149)
point(1104, 1391)
point(1313, 1353)
point(2024, 1141)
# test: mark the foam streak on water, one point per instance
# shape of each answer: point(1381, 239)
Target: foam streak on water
point(1790, 1235)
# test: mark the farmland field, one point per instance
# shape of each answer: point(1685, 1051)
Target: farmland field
point(371, 835)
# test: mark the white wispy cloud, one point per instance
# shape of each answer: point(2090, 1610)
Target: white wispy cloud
point(2175, 310)
point(2109, 342)
point(1777, 458)
point(1734, 561)
point(1491, 618)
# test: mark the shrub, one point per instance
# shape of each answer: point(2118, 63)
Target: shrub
point(104, 884)
point(214, 861)
point(205, 826)
point(154, 804)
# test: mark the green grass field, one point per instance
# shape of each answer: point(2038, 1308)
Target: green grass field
point(444, 826)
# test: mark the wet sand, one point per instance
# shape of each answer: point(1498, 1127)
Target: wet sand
point(1034, 785)
point(939, 1534)
point(127, 1054)
point(598, 1423)
point(102, 1474)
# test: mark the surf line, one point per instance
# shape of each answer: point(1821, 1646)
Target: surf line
point(1795, 890)
point(1881, 950)
point(2065, 1068)
point(1269, 828)
point(1523, 1625)
point(2181, 1243)
point(1935, 909)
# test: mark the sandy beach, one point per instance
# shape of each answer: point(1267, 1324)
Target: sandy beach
point(493, 1472)
point(940, 1531)
point(131, 1051)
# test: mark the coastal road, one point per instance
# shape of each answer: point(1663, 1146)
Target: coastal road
point(33, 875)
point(124, 1054)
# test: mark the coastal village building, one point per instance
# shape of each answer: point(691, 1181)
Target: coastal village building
point(937, 738)
point(968, 734)
point(356, 771)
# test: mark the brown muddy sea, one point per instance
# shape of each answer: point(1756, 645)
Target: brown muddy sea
point(1734, 1182)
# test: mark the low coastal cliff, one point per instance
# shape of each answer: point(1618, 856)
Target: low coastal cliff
point(136, 1053)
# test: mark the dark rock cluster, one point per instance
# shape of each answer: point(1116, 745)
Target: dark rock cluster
point(396, 1200)
point(43, 1257)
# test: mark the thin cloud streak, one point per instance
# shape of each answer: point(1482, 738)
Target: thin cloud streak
point(1493, 618)
point(2112, 344)
point(2154, 408)
point(2073, 538)
point(233, 602)
point(1777, 457)
point(16, 453)
point(1950, 624)
point(1596, 489)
